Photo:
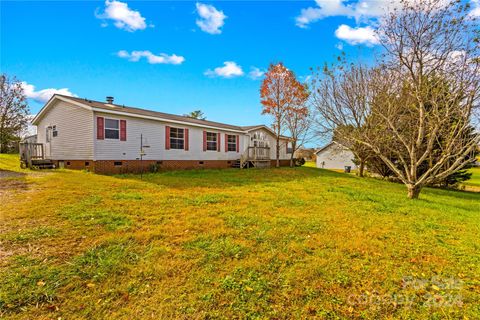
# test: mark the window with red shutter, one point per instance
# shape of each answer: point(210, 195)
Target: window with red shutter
point(231, 143)
point(167, 138)
point(123, 130)
point(211, 141)
point(186, 140)
point(100, 128)
point(204, 140)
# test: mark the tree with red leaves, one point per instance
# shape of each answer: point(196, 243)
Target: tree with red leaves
point(279, 93)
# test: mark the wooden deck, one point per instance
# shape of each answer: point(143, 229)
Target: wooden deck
point(257, 157)
point(32, 155)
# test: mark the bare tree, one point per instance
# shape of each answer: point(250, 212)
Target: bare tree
point(298, 121)
point(422, 100)
point(341, 99)
point(13, 111)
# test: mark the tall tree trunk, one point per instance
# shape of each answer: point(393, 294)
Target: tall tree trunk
point(413, 191)
point(361, 167)
point(278, 152)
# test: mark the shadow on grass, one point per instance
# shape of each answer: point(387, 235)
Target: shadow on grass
point(212, 178)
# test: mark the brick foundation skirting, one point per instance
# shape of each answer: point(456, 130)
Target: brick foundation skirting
point(75, 164)
point(135, 166)
point(283, 163)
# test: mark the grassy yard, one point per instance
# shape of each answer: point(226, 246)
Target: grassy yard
point(278, 243)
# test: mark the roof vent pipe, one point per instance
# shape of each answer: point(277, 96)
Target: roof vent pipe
point(110, 100)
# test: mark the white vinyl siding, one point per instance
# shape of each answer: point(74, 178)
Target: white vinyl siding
point(73, 125)
point(335, 157)
point(272, 142)
point(154, 137)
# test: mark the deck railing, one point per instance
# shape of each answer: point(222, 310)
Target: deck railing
point(258, 153)
point(31, 151)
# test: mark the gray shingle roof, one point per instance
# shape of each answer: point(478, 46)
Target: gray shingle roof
point(156, 114)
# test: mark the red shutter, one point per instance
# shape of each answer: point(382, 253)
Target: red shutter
point(186, 139)
point(100, 128)
point(204, 140)
point(226, 142)
point(218, 141)
point(123, 130)
point(167, 138)
point(238, 143)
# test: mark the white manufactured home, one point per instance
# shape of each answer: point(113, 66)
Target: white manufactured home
point(335, 156)
point(105, 137)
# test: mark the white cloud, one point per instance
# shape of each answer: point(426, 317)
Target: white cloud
point(359, 35)
point(44, 95)
point(326, 8)
point(211, 19)
point(123, 17)
point(255, 73)
point(162, 58)
point(230, 69)
point(475, 8)
point(361, 10)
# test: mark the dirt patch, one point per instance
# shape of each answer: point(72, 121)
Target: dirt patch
point(10, 174)
point(11, 182)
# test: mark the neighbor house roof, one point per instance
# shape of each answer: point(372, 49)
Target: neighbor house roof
point(328, 146)
point(144, 113)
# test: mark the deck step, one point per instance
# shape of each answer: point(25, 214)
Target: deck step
point(236, 164)
point(43, 164)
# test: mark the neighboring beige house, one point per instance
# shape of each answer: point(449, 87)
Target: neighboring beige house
point(105, 137)
point(335, 156)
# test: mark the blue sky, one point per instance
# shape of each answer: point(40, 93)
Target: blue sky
point(95, 49)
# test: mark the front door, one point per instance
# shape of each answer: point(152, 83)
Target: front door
point(48, 142)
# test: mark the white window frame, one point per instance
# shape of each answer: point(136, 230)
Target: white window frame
point(229, 144)
point(214, 141)
point(110, 128)
point(289, 147)
point(176, 138)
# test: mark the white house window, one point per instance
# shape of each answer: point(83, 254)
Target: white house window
point(54, 131)
point(112, 129)
point(212, 141)
point(177, 138)
point(289, 147)
point(232, 142)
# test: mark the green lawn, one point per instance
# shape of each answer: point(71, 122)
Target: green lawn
point(278, 243)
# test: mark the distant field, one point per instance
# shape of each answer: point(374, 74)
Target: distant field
point(289, 243)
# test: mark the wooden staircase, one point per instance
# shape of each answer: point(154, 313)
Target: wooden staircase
point(43, 164)
point(236, 164)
